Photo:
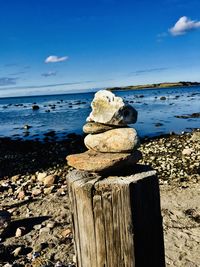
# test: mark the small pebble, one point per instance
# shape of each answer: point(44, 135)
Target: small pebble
point(21, 195)
point(49, 180)
point(41, 176)
point(17, 251)
point(20, 231)
point(66, 232)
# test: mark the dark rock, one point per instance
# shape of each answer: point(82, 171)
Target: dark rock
point(5, 218)
point(50, 133)
point(158, 124)
point(35, 107)
point(193, 115)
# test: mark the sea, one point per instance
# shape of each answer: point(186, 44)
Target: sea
point(61, 115)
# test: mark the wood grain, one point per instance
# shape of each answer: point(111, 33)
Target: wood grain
point(116, 220)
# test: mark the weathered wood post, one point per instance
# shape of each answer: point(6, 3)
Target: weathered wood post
point(116, 220)
point(116, 214)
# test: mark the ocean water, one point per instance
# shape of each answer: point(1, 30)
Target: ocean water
point(64, 114)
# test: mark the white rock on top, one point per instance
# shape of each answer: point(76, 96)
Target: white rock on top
point(110, 109)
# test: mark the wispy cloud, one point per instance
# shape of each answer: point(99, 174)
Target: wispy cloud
point(52, 85)
point(49, 74)
point(27, 67)
point(183, 26)
point(47, 85)
point(10, 65)
point(55, 59)
point(17, 73)
point(4, 81)
point(146, 71)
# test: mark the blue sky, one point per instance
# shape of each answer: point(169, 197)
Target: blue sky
point(60, 46)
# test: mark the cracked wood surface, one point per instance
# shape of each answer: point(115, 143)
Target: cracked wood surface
point(116, 220)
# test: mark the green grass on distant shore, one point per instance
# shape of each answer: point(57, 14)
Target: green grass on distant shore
point(155, 86)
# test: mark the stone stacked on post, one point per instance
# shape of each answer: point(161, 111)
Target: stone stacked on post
point(111, 143)
point(115, 209)
point(110, 109)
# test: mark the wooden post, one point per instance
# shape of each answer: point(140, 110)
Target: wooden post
point(116, 220)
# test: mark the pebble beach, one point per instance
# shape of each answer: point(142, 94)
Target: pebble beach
point(34, 192)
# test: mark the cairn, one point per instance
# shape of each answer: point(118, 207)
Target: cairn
point(111, 143)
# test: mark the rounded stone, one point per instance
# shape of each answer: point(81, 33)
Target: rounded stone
point(49, 180)
point(113, 141)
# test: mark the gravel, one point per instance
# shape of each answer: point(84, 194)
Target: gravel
point(40, 210)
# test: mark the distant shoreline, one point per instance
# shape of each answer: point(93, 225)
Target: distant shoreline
point(46, 95)
point(120, 88)
point(154, 86)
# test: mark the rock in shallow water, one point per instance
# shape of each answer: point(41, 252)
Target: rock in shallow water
point(110, 109)
point(97, 162)
point(115, 141)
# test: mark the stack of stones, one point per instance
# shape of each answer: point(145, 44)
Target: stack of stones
point(111, 143)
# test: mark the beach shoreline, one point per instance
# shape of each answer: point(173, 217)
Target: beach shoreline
point(164, 85)
point(26, 165)
point(16, 154)
point(159, 112)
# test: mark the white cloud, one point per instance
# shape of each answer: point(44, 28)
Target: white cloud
point(184, 25)
point(55, 59)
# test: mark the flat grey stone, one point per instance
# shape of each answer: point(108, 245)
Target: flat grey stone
point(95, 127)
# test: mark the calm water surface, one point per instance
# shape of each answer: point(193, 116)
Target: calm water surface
point(65, 114)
